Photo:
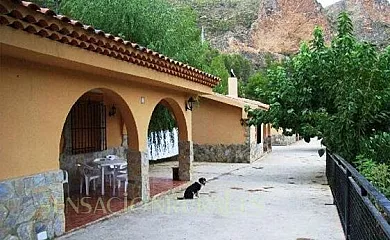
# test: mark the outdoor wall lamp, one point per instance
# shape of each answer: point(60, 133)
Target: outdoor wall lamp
point(190, 103)
point(112, 111)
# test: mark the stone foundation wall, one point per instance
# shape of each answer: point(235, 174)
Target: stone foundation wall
point(281, 140)
point(68, 162)
point(32, 204)
point(248, 152)
point(234, 153)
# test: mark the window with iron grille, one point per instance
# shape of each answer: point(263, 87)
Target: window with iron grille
point(88, 127)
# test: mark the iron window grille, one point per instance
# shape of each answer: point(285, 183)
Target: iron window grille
point(88, 127)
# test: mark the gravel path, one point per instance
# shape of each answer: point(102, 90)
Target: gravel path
point(282, 196)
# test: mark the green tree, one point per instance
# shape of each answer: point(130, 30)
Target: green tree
point(221, 64)
point(155, 24)
point(255, 87)
point(340, 93)
point(218, 68)
point(242, 67)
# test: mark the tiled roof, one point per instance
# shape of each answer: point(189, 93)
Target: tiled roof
point(44, 22)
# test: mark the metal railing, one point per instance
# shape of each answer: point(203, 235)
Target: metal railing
point(363, 210)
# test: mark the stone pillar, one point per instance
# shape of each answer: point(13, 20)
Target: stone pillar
point(269, 148)
point(138, 170)
point(186, 157)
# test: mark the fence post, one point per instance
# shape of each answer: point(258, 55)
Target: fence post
point(346, 204)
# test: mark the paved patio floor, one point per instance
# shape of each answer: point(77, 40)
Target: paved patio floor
point(282, 196)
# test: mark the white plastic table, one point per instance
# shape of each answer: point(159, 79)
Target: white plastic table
point(105, 163)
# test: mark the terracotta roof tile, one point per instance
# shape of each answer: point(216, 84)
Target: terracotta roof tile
point(44, 22)
point(47, 12)
point(30, 19)
point(53, 27)
point(63, 18)
point(17, 25)
point(64, 31)
point(31, 5)
point(76, 23)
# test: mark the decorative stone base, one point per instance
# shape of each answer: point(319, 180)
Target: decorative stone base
point(185, 158)
point(32, 204)
point(235, 153)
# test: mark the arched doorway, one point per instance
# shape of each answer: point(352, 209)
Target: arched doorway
point(99, 124)
point(166, 132)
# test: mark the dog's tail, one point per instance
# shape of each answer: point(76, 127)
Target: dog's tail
point(180, 198)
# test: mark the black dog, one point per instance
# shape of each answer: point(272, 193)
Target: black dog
point(193, 190)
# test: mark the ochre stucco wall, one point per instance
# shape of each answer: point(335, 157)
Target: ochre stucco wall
point(217, 123)
point(113, 125)
point(36, 98)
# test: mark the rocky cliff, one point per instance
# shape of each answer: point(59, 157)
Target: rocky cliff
point(371, 19)
point(261, 28)
point(282, 25)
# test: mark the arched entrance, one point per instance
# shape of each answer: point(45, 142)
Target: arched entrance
point(170, 163)
point(99, 124)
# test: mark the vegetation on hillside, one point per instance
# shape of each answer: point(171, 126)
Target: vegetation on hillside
point(340, 93)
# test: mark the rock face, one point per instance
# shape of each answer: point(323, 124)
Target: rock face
point(371, 19)
point(282, 24)
point(261, 29)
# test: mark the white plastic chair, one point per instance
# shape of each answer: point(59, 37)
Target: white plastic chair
point(66, 181)
point(88, 174)
point(122, 173)
point(107, 171)
point(122, 178)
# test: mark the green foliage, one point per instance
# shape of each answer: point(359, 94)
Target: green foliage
point(155, 24)
point(162, 119)
point(255, 85)
point(340, 93)
point(377, 173)
point(377, 148)
point(220, 66)
point(242, 67)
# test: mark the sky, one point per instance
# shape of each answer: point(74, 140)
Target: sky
point(326, 3)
